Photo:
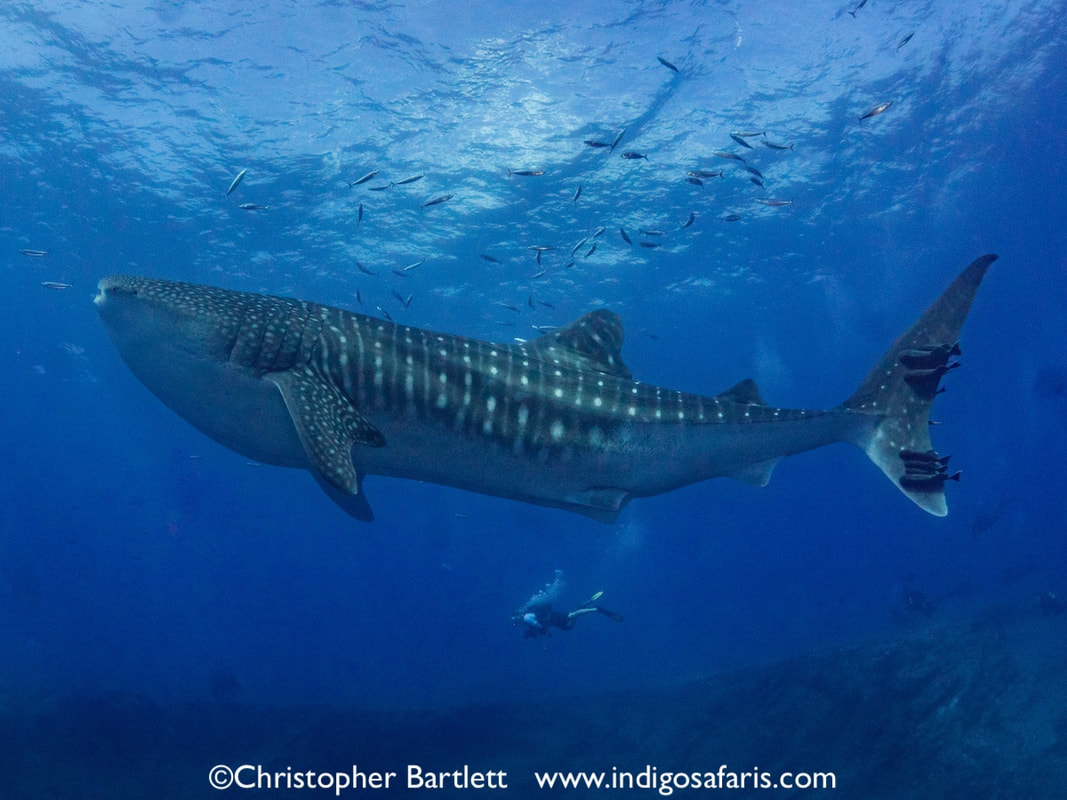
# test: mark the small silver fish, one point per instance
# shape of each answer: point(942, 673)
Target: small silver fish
point(905, 40)
point(507, 306)
point(359, 298)
point(31, 253)
point(691, 220)
point(644, 232)
point(251, 206)
point(633, 155)
point(617, 139)
point(437, 200)
point(55, 285)
point(575, 248)
point(384, 313)
point(757, 181)
point(774, 203)
point(776, 145)
point(410, 267)
point(702, 173)
point(595, 143)
point(875, 111)
point(598, 231)
point(489, 258)
point(406, 181)
point(364, 270)
point(538, 274)
point(625, 238)
point(577, 193)
point(859, 5)
point(526, 173)
point(694, 181)
point(753, 170)
point(381, 188)
point(725, 154)
point(591, 250)
point(359, 216)
point(649, 244)
point(667, 64)
point(737, 138)
point(730, 218)
point(541, 248)
point(240, 177)
point(364, 179)
point(749, 134)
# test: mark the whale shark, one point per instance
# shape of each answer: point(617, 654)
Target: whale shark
point(557, 421)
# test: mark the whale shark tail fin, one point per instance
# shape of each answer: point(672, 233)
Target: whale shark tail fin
point(901, 389)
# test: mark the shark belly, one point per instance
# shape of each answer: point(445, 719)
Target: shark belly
point(230, 405)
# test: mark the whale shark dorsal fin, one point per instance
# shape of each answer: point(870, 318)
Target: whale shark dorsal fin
point(594, 338)
point(327, 424)
point(743, 392)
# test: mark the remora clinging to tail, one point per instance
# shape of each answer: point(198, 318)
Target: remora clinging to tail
point(557, 421)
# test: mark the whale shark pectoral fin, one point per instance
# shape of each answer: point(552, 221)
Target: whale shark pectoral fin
point(328, 426)
point(355, 505)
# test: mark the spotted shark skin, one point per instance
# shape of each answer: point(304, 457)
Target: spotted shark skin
point(558, 421)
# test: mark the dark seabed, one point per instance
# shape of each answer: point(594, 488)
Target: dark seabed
point(168, 606)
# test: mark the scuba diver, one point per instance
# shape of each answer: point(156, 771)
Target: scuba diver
point(538, 617)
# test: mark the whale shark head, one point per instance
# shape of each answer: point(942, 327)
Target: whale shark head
point(189, 346)
point(143, 315)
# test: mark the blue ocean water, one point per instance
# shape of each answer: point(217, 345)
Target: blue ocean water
point(139, 558)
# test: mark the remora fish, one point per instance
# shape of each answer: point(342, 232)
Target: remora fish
point(557, 421)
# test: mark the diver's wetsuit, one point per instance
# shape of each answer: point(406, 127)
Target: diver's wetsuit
point(545, 618)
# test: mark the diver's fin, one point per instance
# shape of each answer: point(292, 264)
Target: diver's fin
point(899, 392)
